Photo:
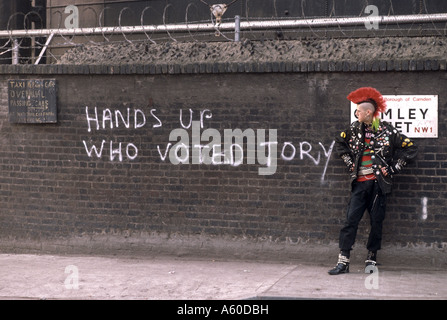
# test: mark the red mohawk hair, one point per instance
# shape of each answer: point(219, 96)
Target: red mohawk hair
point(368, 94)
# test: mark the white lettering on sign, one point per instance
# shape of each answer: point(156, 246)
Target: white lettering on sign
point(416, 116)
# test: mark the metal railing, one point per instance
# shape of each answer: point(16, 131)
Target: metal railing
point(235, 27)
point(231, 26)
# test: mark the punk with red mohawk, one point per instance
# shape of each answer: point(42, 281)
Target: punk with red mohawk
point(373, 152)
point(368, 94)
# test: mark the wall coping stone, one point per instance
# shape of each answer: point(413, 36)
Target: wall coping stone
point(231, 67)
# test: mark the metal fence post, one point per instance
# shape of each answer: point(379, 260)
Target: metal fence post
point(237, 28)
point(15, 51)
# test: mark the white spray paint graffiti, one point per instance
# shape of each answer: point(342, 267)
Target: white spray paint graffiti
point(210, 153)
point(306, 152)
point(131, 150)
point(191, 144)
point(424, 215)
point(139, 119)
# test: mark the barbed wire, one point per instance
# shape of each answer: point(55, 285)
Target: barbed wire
point(31, 44)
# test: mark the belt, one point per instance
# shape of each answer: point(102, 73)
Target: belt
point(363, 171)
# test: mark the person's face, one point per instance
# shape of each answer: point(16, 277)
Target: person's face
point(363, 113)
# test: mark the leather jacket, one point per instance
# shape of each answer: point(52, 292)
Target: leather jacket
point(390, 149)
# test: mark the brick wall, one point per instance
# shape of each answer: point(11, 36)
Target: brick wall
point(54, 187)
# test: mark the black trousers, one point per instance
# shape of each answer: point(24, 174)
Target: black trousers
point(364, 196)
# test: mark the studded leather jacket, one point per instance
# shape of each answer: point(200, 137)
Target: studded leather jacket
point(389, 149)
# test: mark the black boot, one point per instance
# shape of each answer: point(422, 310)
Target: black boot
point(371, 260)
point(342, 265)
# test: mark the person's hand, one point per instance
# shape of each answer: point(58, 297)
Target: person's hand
point(390, 170)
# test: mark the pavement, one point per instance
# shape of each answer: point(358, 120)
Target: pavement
point(86, 277)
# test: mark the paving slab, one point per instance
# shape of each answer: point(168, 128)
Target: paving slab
point(29, 276)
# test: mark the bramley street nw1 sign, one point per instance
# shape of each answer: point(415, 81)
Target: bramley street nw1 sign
point(414, 116)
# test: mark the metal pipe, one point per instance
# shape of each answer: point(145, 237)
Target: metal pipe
point(44, 48)
point(237, 28)
point(230, 26)
point(15, 51)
